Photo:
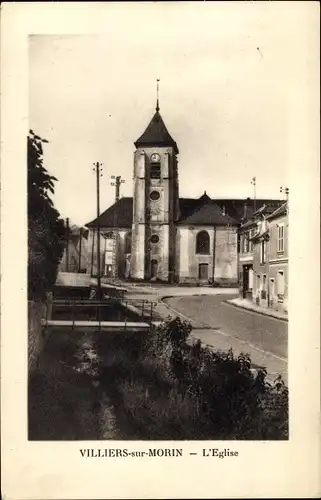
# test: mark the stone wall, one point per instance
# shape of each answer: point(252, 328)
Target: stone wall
point(36, 312)
point(154, 216)
point(226, 256)
point(222, 259)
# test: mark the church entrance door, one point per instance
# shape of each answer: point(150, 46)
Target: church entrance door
point(203, 272)
point(153, 268)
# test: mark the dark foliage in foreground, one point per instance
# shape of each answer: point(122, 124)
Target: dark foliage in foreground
point(176, 389)
point(45, 227)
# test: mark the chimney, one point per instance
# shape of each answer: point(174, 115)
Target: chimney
point(223, 210)
point(245, 213)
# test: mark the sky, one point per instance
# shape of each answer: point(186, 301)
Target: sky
point(224, 72)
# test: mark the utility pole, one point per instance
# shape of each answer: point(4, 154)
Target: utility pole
point(285, 190)
point(67, 245)
point(253, 182)
point(98, 170)
point(116, 181)
point(92, 253)
point(80, 243)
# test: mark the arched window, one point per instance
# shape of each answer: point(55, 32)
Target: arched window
point(128, 242)
point(203, 242)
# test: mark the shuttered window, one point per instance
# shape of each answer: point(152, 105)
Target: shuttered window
point(280, 240)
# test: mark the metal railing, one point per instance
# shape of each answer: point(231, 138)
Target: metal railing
point(139, 308)
point(145, 308)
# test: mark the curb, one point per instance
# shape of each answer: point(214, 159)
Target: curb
point(181, 315)
point(269, 378)
point(274, 316)
point(161, 301)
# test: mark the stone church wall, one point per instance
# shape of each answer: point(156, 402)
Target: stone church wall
point(221, 262)
point(226, 256)
point(153, 215)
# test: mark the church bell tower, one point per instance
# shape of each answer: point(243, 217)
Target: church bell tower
point(155, 203)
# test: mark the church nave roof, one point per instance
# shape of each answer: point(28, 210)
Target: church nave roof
point(196, 211)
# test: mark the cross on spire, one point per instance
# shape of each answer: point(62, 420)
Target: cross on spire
point(157, 100)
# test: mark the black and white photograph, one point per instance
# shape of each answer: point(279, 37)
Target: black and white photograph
point(159, 165)
point(158, 238)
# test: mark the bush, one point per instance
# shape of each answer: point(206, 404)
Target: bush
point(178, 389)
point(45, 227)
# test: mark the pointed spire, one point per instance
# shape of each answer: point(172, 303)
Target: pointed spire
point(156, 133)
point(157, 100)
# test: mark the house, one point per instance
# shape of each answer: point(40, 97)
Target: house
point(246, 233)
point(248, 230)
point(77, 254)
point(278, 258)
point(270, 258)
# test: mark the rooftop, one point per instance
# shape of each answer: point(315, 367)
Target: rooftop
point(203, 210)
point(207, 212)
point(281, 210)
point(156, 134)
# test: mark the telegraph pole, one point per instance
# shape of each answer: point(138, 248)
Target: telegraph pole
point(67, 246)
point(80, 244)
point(253, 182)
point(116, 181)
point(98, 170)
point(285, 190)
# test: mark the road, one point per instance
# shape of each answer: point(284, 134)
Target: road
point(223, 326)
point(266, 333)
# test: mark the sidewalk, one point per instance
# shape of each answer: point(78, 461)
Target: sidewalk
point(172, 291)
point(250, 306)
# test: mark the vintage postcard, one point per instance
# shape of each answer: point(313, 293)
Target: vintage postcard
point(160, 250)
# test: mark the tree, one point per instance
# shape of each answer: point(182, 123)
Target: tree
point(46, 232)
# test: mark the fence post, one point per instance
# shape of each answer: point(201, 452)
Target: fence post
point(151, 312)
point(143, 308)
point(73, 314)
point(44, 328)
point(47, 312)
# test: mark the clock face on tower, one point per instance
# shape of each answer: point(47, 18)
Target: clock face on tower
point(155, 158)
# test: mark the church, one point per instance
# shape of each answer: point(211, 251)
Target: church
point(158, 236)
